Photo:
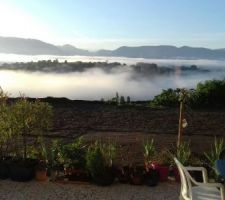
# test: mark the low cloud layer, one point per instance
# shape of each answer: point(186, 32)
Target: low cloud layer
point(95, 84)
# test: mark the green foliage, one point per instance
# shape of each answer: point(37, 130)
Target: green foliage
point(215, 152)
point(38, 150)
point(209, 94)
point(122, 100)
point(74, 154)
point(149, 151)
point(56, 155)
point(6, 132)
point(183, 153)
point(30, 118)
point(168, 98)
point(99, 158)
point(164, 157)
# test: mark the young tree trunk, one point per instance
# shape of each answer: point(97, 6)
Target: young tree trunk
point(180, 130)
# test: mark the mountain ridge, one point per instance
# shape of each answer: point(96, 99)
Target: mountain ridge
point(22, 46)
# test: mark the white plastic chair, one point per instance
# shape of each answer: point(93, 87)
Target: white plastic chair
point(193, 190)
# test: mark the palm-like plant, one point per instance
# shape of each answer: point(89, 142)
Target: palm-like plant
point(183, 153)
point(215, 152)
point(149, 151)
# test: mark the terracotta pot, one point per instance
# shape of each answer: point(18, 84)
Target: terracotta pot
point(163, 173)
point(41, 175)
point(176, 174)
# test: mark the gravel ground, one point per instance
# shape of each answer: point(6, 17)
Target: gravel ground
point(10, 190)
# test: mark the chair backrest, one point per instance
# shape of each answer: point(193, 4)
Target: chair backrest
point(220, 167)
point(185, 185)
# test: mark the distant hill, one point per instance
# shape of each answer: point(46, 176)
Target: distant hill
point(36, 47)
point(71, 50)
point(169, 52)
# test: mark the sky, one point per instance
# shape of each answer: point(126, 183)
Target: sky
point(108, 24)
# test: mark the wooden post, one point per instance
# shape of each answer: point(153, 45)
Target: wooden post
point(180, 130)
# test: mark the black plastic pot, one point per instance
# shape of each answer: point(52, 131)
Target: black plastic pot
point(152, 177)
point(22, 170)
point(104, 179)
point(4, 169)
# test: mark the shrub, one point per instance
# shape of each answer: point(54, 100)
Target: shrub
point(74, 154)
point(99, 160)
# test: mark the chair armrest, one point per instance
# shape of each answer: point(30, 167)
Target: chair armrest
point(202, 169)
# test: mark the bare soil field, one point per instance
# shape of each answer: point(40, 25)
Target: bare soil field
point(129, 126)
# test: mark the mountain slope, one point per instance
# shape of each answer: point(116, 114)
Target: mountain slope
point(169, 52)
point(26, 46)
point(71, 50)
point(36, 47)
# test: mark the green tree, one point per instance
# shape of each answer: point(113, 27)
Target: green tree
point(122, 100)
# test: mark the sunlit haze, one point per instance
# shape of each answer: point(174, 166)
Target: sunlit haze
point(97, 24)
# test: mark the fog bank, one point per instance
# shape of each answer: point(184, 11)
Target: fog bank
point(95, 83)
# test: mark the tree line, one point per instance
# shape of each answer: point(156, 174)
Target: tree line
point(208, 94)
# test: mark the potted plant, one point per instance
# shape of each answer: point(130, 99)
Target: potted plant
point(5, 135)
point(214, 155)
point(163, 161)
point(41, 171)
point(39, 152)
point(183, 154)
point(56, 160)
point(28, 118)
point(74, 163)
point(99, 163)
point(149, 153)
point(152, 177)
